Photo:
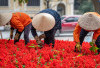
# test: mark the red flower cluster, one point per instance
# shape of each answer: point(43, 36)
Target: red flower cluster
point(31, 56)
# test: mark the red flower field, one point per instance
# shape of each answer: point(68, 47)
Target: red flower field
point(61, 56)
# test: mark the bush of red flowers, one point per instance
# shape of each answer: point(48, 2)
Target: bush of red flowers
point(31, 55)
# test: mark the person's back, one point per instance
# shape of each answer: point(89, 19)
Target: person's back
point(46, 20)
point(22, 17)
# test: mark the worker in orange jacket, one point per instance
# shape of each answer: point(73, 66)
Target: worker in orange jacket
point(19, 21)
point(88, 22)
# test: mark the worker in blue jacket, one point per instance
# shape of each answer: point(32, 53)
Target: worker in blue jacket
point(48, 21)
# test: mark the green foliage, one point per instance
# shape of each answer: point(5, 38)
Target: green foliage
point(91, 43)
point(93, 48)
point(20, 1)
point(35, 46)
point(14, 0)
point(86, 6)
point(23, 66)
point(79, 55)
point(38, 45)
point(51, 59)
point(32, 46)
point(26, 1)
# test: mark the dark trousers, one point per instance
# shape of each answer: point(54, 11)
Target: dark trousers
point(83, 33)
point(50, 37)
point(98, 42)
point(26, 34)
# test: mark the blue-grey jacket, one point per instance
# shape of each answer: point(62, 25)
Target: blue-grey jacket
point(57, 20)
point(55, 15)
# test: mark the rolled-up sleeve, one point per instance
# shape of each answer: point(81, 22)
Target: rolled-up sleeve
point(76, 33)
point(96, 34)
point(15, 22)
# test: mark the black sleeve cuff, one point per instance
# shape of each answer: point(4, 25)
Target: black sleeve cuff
point(19, 32)
point(12, 28)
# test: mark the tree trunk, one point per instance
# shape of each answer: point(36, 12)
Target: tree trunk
point(47, 3)
point(96, 5)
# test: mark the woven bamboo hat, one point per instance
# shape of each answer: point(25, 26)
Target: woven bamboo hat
point(89, 21)
point(5, 18)
point(43, 22)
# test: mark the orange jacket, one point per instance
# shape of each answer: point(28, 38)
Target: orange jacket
point(20, 20)
point(77, 31)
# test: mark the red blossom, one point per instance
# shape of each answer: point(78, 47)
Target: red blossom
point(61, 56)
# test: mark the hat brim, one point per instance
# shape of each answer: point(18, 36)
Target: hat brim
point(89, 21)
point(43, 22)
point(5, 18)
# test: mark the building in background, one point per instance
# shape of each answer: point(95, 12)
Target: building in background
point(64, 7)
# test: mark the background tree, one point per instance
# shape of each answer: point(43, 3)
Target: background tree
point(82, 6)
point(96, 5)
point(21, 1)
point(86, 7)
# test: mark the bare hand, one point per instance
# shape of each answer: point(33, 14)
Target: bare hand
point(17, 36)
point(78, 47)
point(11, 36)
point(42, 36)
point(39, 42)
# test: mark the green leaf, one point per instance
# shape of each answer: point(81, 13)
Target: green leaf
point(54, 55)
point(23, 66)
point(96, 53)
point(40, 57)
point(96, 48)
point(62, 58)
point(45, 63)
point(26, 1)
point(32, 46)
point(79, 55)
point(91, 43)
point(14, 54)
point(16, 61)
point(17, 49)
point(63, 49)
point(16, 66)
point(51, 58)
point(93, 48)
point(39, 46)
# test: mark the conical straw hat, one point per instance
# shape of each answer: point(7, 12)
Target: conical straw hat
point(43, 22)
point(5, 18)
point(89, 21)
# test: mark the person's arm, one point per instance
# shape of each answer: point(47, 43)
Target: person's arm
point(95, 35)
point(76, 33)
point(16, 23)
point(1, 35)
point(11, 32)
point(42, 36)
point(34, 33)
